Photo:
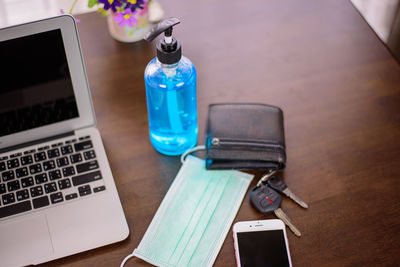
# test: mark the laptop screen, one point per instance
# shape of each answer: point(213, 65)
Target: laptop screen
point(35, 85)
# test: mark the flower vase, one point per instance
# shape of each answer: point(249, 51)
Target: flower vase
point(129, 26)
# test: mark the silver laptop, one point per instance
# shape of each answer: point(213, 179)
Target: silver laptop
point(57, 193)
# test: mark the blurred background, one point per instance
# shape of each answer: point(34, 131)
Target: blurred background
point(18, 11)
point(382, 15)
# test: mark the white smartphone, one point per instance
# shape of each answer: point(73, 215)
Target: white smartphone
point(261, 243)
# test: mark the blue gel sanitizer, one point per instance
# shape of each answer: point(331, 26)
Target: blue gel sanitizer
point(170, 82)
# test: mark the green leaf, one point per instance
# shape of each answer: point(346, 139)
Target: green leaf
point(102, 11)
point(92, 3)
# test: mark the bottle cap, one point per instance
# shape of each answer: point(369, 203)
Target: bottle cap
point(169, 50)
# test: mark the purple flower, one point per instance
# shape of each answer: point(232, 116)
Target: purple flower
point(113, 4)
point(127, 17)
point(134, 4)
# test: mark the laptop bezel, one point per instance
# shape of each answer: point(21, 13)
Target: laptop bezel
point(69, 32)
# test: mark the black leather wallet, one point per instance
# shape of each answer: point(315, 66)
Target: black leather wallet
point(245, 136)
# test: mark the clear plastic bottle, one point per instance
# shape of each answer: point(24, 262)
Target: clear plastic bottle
point(170, 82)
point(172, 105)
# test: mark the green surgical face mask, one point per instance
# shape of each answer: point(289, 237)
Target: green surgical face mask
point(195, 216)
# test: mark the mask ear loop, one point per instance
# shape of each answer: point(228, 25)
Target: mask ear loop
point(183, 157)
point(187, 152)
point(126, 259)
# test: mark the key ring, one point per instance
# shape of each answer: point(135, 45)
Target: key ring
point(265, 177)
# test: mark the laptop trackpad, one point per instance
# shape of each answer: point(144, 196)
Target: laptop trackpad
point(25, 241)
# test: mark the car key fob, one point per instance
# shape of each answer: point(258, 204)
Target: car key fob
point(277, 183)
point(265, 199)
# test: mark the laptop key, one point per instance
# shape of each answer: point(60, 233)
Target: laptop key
point(83, 145)
point(89, 154)
point(12, 163)
point(15, 155)
point(26, 160)
point(49, 165)
point(61, 162)
point(87, 166)
point(22, 194)
point(13, 185)
point(50, 187)
point(2, 166)
point(40, 156)
point(75, 158)
point(86, 178)
point(56, 145)
point(26, 182)
point(68, 171)
point(8, 198)
point(29, 151)
point(66, 150)
point(40, 202)
point(99, 189)
point(36, 191)
point(15, 209)
point(53, 153)
point(35, 168)
point(71, 196)
point(41, 178)
point(56, 198)
point(63, 184)
point(53, 175)
point(84, 190)
point(43, 148)
point(2, 188)
point(7, 176)
point(21, 172)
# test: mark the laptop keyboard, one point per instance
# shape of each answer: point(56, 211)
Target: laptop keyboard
point(49, 175)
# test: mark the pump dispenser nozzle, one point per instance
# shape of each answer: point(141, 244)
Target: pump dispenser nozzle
point(169, 49)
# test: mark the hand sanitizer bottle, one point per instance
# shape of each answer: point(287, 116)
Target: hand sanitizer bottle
point(170, 80)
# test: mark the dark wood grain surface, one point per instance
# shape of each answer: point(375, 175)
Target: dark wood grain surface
point(319, 61)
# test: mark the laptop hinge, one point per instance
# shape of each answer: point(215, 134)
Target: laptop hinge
point(31, 143)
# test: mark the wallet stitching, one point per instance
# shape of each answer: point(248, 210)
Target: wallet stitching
point(224, 154)
point(227, 144)
point(223, 143)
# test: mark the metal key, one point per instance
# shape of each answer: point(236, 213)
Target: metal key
point(279, 185)
point(267, 200)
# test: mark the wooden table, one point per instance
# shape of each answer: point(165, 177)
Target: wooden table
point(338, 86)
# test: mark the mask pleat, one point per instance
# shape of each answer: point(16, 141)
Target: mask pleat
point(194, 217)
point(177, 216)
point(206, 209)
point(222, 218)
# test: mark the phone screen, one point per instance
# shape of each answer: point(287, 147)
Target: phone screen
point(262, 248)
